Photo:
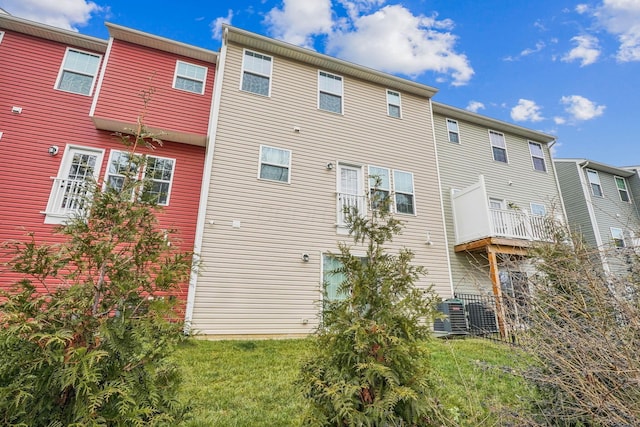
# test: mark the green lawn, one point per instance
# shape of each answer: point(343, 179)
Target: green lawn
point(251, 383)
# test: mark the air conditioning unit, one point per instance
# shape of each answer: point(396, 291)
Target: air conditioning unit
point(454, 321)
point(482, 319)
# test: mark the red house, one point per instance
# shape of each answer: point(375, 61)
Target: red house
point(62, 97)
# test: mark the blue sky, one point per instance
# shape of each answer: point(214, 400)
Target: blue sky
point(567, 68)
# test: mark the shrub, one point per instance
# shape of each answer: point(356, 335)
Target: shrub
point(370, 365)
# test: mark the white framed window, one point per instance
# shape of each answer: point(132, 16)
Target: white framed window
point(394, 104)
point(158, 170)
point(1, 36)
point(78, 72)
point(453, 131)
point(404, 192)
point(332, 278)
point(623, 192)
point(330, 92)
point(379, 185)
point(275, 164)
point(538, 209)
point(537, 156)
point(498, 146)
point(594, 182)
point(190, 77)
point(617, 237)
point(256, 73)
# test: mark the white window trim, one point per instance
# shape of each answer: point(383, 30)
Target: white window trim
point(620, 232)
point(504, 140)
point(1, 36)
point(176, 75)
point(626, 188)
point(599, 183)
point(395, 192)
point(544, 162)
point(389, 103)
point(269, 76)
point(105, 180)
point(273, 164)
point(531, 207)
point(341, 94)
point(369, 186)
point(173, 175)
point(62, 69)
point(449, 131)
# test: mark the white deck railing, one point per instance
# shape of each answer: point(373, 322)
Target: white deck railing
point(516, 224)
point(68, 197)
point(345, 202)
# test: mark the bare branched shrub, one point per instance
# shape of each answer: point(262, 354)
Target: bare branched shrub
point(583, 335)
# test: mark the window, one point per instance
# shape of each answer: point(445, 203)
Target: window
point(78, 72)
point(274, 164)
point(157, 169)
point(1, 36)
point(452, 129)
point(329, 92)
point(594, 181)
point(538, 209)
point(160, 171)
point(332, 278)
point(256, 73)
point(617, 237)
point(190, 77)
point(621, 184)
point(499, 146)
point(403, 188)
point(537, 156)
point(379, 185)
point(393, 103)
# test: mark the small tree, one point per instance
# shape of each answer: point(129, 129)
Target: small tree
point(85, 337)
point(370, 366)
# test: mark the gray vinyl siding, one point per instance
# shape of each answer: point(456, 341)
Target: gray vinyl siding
point(575, 200)
point(253, 281)
point(516, 182)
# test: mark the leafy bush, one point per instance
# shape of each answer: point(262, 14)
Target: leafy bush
point(85, 337)
point(370, 365)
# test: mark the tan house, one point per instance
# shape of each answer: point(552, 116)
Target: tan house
point(499, 189)
point(296, 136)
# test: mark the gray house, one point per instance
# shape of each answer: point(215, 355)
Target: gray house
point(602, 205)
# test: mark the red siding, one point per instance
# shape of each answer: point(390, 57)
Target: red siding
point(51, 117)
point(134, 68)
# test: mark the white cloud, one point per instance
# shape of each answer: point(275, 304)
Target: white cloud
point(587, 50)
point(526, 111)
point(355, 8)
point(475, 106)
point(581, 108)
point(559, 120)
point(622, 19)
point(216, 25)
point(299, 20)
point(539, 46)
point(394, 40)
point(66, 14)
point(582, 8)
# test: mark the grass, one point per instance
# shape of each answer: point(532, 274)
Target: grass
point(251, 383)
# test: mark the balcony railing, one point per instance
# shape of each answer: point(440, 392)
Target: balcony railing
point(474, 220)
point(346, 202)
point(68, 197)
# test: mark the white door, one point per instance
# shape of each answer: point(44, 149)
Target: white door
point(79, 168)
point(350, 191)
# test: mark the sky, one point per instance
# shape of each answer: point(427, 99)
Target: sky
point(566, 68)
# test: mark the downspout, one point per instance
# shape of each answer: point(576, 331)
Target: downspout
point(444, 222)
point(206, 183)
point(592, 214)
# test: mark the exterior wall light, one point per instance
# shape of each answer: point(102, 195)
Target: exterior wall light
point(53, 150)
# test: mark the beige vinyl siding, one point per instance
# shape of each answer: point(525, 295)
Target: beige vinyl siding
point(254, 282)
point(516, 182)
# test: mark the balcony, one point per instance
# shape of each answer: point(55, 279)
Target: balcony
point(475, 221)
point(346, 202)
point(68, 197)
